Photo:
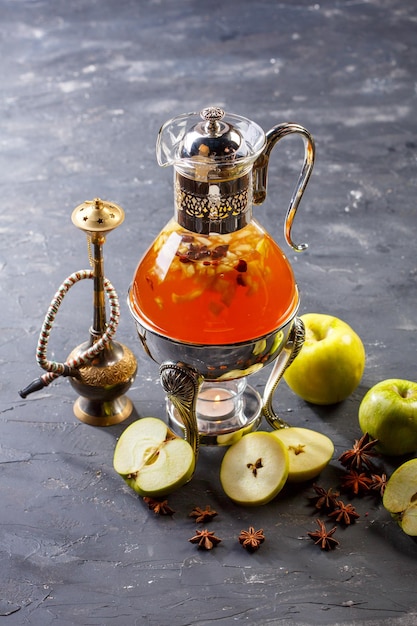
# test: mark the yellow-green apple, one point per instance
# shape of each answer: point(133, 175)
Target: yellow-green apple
point(152, 460)
point(255, 469)
point(388, 412)
point(330, 364)
point(308, 451)
point(400, 496)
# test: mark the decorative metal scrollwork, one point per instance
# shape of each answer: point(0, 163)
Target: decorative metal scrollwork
point(292, 348)
point(182, 383)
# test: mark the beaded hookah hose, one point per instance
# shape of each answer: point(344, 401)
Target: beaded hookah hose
point(55, 369)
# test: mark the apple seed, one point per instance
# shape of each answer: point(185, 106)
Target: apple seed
point(255, 466)
point(297, 449)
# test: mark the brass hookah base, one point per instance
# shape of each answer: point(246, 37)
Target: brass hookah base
point(102, 383)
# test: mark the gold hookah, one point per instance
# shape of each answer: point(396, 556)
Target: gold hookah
point(101, 370)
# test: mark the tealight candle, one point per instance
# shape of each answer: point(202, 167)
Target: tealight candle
point(215, 403)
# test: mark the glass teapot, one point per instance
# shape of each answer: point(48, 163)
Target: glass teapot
point(214, 297)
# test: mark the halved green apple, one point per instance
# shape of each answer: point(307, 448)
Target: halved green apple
point(254, 470)
point(308, 451)
point(152, 460)
point(400, 496)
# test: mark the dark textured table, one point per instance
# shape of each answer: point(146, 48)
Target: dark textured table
point(85, 86)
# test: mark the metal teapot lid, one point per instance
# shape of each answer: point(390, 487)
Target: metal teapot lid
point(214, 138)
point(211, 137)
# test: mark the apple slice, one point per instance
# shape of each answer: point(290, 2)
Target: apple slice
point(309, 452)
point(400, 496)
point(254, 470)
point(151, 459)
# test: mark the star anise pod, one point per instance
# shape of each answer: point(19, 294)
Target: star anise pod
point(203, 515)
point(159, 507)
point(205, 539)
point(344, 513)
point(251, 539)
point(360, 455)
point(379, 482)
point(323, 537)
point(357, 483)
point(325, 500)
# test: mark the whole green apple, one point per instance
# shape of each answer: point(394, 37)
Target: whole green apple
point(388, 412)
point(330, 364)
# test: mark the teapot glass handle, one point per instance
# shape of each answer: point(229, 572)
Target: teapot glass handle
point(260, 172)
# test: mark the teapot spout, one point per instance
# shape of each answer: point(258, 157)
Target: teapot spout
point(260, 174)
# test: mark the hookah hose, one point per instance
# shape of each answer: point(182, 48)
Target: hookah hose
point(69, 368)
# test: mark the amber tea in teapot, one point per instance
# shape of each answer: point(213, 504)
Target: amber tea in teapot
point(214, 289)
